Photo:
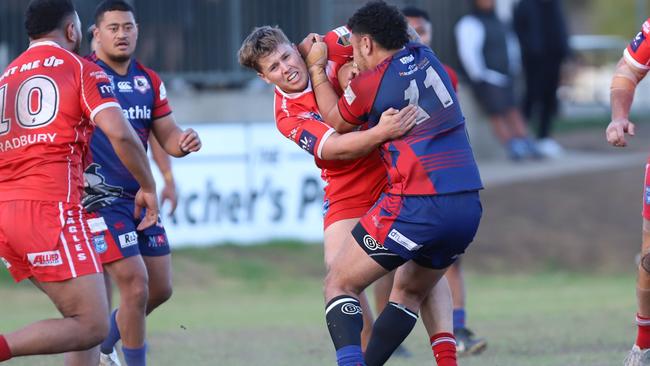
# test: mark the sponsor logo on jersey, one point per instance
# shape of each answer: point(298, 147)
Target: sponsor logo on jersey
point(124, 87)
point(351, 309)
point(402, 240)
point(637, 41)
point(372, 244)
point(5, 262)
point(137, 112)
point(105, 90)
point(99, 241)
point(349, 95)
point(157, 241)
point(307, 142)
point(407, 59)
point(99, 75)
point(128, 239)
point(141, 84)
point(45, 259)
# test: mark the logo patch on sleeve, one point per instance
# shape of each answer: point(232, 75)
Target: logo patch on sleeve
point(637, 41)
point(105, 90)
point(308, 142)
point(349, 95)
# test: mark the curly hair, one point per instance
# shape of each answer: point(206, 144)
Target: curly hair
point(44, 16)
point(384, 23)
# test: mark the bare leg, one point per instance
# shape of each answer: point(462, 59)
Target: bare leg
point(457, 284)
point(82, 302)
point(516, 124)
point(437, 309)
point(334, 238)
point(159, 270)
point(130, 276)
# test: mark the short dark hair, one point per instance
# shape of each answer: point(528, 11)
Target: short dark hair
point(413, 12)
point(383, 22)
point(44, 16)
point(111, 5)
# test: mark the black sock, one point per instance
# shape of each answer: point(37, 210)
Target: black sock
point(344, 321)
point(391, 328)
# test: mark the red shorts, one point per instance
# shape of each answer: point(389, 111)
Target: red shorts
point(646, 193)
point(50, 241)
point(356, 203)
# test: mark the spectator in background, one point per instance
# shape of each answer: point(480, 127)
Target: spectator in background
point(490, 56)
point(543, 38)
point(466, 342)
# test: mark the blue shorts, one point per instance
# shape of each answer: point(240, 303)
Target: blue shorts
point(433, 231)
point(119, 238)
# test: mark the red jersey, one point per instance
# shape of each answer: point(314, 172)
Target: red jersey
point(48, 100)
point(297, 117)
point(638, 51)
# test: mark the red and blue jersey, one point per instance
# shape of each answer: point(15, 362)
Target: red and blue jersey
point(435, 157)
point(143, 99)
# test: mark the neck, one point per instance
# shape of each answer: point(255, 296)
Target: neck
point(121, 68)
point(381, 55)
point(52, 38)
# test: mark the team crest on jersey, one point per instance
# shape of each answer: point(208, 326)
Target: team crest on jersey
point(141, 84)
point(344, 36)
point(99, 241)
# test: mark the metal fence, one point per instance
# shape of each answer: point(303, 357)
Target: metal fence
point(198, 39)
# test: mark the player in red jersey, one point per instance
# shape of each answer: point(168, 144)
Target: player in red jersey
point(352, 185)
point(50, 101)
point(431, 210)
point(631, 69)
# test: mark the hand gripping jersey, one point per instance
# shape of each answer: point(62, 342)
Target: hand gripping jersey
point(48, 100)
point(143, 99)
point(433, 158)
point(638, 51)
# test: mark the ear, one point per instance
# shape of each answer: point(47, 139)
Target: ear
point(368, 45)
point(71, 32)
point(96, 33)
point(261, 76)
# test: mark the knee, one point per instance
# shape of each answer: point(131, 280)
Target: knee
point(159, 295)
point(135, 289)
point(335, 284)
point(93, 331)
point(409, 297)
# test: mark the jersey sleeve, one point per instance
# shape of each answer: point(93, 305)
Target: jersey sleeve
point(161, 107)
point(356, 102)
point(307, 132)
point(97, 91)
point(637, 52)
point(339, 48)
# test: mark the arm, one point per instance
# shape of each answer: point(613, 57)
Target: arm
point(129, 149)
point(325, 95)
point(353, 145)
point(174, 141)
point(162, 160)
point(470, 38)
point(622, 89)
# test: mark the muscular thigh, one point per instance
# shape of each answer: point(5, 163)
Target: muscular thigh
point(335, 236)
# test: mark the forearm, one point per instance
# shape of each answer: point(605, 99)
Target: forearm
point(132, 154)
point(621, 101)
point(327, 99)
point(352, 145)
point(162, 160)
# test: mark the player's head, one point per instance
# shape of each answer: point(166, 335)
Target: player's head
point(116, 31)
point(484, 5)
point(419, 20)
point(54, 19)
point(375, 27)
point(90, 35)
point(277, 61)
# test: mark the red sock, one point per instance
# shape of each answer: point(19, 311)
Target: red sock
point(5, 352)
point(444, 349)
point(643, 332)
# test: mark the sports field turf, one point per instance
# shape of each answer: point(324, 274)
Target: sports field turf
point(262, 306)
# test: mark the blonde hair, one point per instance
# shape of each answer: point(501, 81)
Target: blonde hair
point(260, 43)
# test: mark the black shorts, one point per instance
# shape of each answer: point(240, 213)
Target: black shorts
point(495, 100)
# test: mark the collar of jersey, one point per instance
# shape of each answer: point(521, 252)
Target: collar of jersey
point(44, 43)
point(296, 94)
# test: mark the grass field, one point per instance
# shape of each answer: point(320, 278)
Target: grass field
point(262, 305)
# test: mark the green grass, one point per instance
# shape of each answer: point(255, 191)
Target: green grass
point(262, 305)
